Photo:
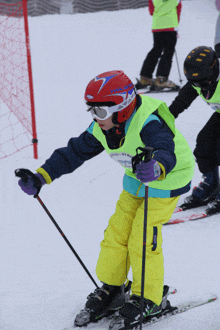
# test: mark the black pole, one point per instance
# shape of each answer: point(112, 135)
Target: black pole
point(180, 79)
point(144, 255)
point(145, 156)
point(66, 240)
point(25, 174)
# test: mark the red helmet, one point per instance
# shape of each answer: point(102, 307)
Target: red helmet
point(112, 88)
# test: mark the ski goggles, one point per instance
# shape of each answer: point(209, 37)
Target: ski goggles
point(104, 112)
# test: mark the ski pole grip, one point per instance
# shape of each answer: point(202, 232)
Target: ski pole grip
point(144, 156)
point(25, 174)
point(147, 154)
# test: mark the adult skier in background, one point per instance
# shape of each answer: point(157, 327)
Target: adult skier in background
point(166, 17)
point(217, 30)
point(122, 122)
point(201, 68)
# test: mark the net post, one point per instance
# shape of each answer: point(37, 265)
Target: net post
point(27, 38)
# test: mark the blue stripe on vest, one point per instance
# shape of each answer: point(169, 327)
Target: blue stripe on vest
point(133, 186)
point(90, 128)
point(150, 118)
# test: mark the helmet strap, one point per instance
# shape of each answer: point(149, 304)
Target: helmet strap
point(120, 127)
point(115, 118)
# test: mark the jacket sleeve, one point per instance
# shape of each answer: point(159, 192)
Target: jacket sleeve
point(179, 8)
point(157, 135)
point(186, 96)
point(68, 159)
point(151, 7)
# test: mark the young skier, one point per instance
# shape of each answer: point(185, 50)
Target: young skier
point(166, 17)
point(122, 122)
point(201, 68)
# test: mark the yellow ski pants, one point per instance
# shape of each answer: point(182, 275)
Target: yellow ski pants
point(123, 243)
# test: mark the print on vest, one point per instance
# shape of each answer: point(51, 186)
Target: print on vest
point(122, 158)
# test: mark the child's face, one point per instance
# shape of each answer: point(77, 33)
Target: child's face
point(105, 124)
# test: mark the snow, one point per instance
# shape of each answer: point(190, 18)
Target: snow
point(42, 284)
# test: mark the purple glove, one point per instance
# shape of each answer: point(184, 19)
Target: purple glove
point(217, 3)
point(30, 186)
point(147, 172)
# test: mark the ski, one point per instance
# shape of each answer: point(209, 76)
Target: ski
point(172, 290)
point(148, 91)
point(181, 209)
point(191, 217)
point(174, 311)
point(152, 89)
point(185, 206)
point(178, 209)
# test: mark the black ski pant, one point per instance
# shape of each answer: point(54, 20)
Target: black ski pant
point(207, 151)
point(164, 43)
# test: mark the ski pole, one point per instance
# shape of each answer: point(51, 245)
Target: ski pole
point(146, 156)
point(177, 62)
point(24, 174)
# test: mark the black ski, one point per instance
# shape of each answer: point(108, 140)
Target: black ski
point(173, 311)
point(110, 315)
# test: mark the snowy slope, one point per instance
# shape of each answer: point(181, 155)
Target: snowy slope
point(42, 284)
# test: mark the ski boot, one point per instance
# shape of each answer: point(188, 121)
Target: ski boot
point(144, 83)
point(162, 83)
point(205, 192)
point(103, 302)
point(214, 206)
point(129, 315)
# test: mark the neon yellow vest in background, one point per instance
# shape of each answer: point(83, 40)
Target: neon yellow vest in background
point(214, 102)
point(165, 14)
